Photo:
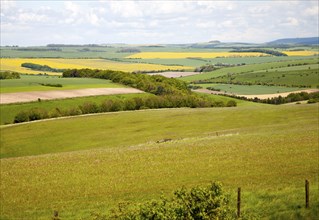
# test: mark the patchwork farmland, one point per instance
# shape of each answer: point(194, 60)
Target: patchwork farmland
point(83, 157)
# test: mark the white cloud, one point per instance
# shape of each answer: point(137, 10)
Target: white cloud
point(156, 21)
point(217, 5)
point(290, 21)
point(7, 5)
point(312, 11)
point(125, 9)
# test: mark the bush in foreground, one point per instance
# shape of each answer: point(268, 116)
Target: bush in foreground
point(197, 203)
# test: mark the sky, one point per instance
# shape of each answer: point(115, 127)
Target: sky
point(31, 23)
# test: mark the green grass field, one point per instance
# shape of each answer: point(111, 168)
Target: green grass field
point(305, 77)
point(293, 68)
point(269, 151)
point(66, 52)
point(29, 83)
point(249, 90)
point(248, 68)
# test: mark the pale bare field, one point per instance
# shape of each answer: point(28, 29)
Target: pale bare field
point(175, 74)
point(284, 94)
point(262, 96)
point(7, 98)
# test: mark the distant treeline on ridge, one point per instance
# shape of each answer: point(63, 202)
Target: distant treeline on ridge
point(39, 67)
point(258, 50)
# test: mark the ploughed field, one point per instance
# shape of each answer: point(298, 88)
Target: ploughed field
point(93, 162)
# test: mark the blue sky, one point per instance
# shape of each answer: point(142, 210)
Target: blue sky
point(27, 23)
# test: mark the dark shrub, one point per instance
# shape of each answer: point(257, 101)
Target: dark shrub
point(74, 111)
point(37, 114)
point(89, 107)
point(129, 104)
point(231, 103)
point(21, 117)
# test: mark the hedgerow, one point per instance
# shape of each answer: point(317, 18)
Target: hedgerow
point(168, 93)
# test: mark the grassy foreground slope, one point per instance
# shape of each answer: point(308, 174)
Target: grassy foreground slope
point(267, 150)
point(127, 128)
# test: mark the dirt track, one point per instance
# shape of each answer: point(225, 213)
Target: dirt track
point(7, 98)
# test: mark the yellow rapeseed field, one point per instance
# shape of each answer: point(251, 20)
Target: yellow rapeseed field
point(181, 55)
point(14, 64)
point(301, 53)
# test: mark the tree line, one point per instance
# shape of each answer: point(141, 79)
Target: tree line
point(259, 50)
point(109, 105)
point(39, 67)
point(9, 75)
point(167, 93)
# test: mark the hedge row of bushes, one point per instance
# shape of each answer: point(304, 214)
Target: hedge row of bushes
point(9, 75)
point(259, 50)
point(135, 103)
point(39, 67)
point(169, 89)
point(155, 84)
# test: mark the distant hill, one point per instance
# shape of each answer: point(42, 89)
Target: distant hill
point(303, 41)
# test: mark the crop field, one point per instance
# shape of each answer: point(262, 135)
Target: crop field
point(29, 83)
point(14, 64)
point(250, 68)
point(249, 89)
point(183, 55)
point(196, 62)
point(63, 52)
point(119, 159)
point(301, 53)
point(256, 60)
point(302, 67)
point(307, 77)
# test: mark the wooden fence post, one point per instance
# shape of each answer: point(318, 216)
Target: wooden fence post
point(238, 202)
point(307, 193)
point(55, 215)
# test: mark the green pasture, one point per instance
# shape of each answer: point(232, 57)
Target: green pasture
point(249, 89)
point(9, 111)
point(201, 62)
point(182, 62)
point(66, 52)
point(255, 60)
point(290, 68)
point(248, 68)
point(29, 83)
point(88, 164)
point(306, 77)
point(93, 52)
